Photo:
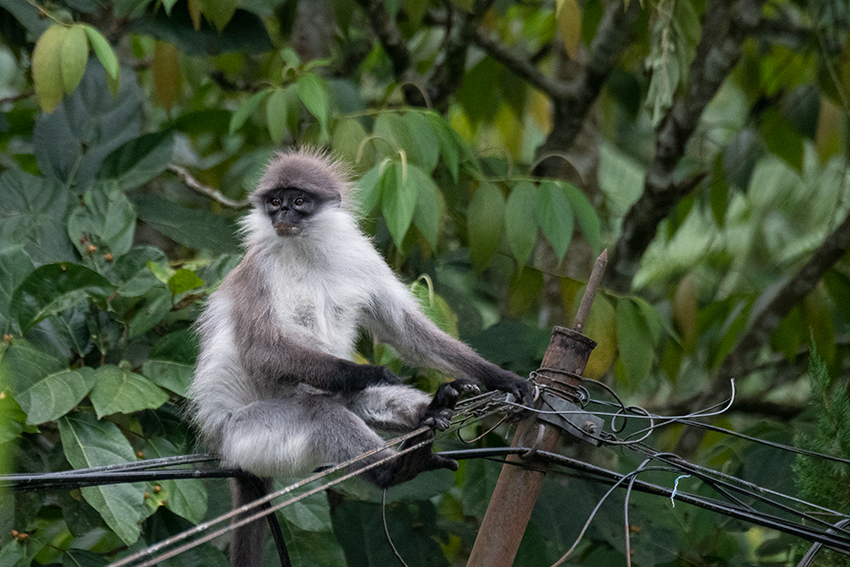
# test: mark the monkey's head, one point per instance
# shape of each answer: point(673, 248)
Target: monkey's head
point(298, 189)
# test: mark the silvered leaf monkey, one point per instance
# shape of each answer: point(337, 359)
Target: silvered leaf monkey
point(275, 391)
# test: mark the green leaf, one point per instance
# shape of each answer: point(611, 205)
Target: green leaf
point(276, 115)
point(12, 421)
point(448, 144)
point(587, 218)
point(398, 202)
point(312, 514)
point(435, 308)
point(156, 304)
point(103, 51)
point(524, 290)
point(174, 376)
point(429, 209)
point(119, 391)
point(485, 224)
point(555, 216)
point(313, 93)
point(248, 108)
point(75, 54)
point(634, 340)
point(71, 143)
point(185, 497)
point(105, 220)
point(54, 288)
point(15, 266)
point(41, 383)
point(521, 220)
point(136, 162)
point(131, 274)
point(219, 12)
point(346, 138)
point(89, 443)
point(183, 280)
point(47, 67)
point(33, 215)
point(568, 16)
point(426, 152)
point(370, 188)
point(196, 229)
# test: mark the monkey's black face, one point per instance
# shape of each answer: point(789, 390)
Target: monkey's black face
point(290, 208)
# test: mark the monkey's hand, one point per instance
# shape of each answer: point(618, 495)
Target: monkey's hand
point(520, 388)
point(438, 414)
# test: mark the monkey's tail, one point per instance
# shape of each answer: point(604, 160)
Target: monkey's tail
point(246, 546)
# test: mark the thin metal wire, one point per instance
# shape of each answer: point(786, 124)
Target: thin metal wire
point(387, 529)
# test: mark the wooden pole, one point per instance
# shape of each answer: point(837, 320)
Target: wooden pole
point(517, 488)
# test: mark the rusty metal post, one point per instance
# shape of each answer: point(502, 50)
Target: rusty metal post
point(517, 488)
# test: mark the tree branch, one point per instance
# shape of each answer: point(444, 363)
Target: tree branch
point(726, 24)
point(206, 190)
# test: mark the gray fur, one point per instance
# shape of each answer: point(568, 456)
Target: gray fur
point(275, 391)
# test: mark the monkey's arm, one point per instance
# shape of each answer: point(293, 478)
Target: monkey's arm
point(274, 360)
point(397, 320)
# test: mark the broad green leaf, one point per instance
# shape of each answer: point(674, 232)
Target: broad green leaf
point(75, 54)
point(47, 67)
point(155, 305)
point(586, 216)
point(183, 280)
point(601, 326)
point(426, 152)
point(12, 421)
point(347, 136)
point(103, 52)
point(398, 201)
point(429, 208)
point(555, 216)
point(435, 308)
point(448, 143)
point(106, 221)
point(568, 15)
point(88, 443)
point(120, 391)
point(312, 514)
point(33, 215)
point(219, 12)
point(313, 93)
point(634, 340)
point(276, 115)
point(521, 220)
point(136, 162)
point(71, 142)
point(248, 108)
point(193, 228)
point(131, 274)
point(41, 382)
point(174, 376)
point(370, 188)
point(54, 288)
point(165, 74)
point(485, 224)
point(15, 266)
point(523, 290)
point(184, 497)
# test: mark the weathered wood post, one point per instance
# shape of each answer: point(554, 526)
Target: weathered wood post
point(517, 488)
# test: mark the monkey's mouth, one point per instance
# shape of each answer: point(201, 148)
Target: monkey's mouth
point(284, 229)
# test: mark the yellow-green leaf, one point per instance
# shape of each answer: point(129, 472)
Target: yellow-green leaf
point(103, 51)
point(47, 67)
point(568, 15)
point(219, 12)
point(165, 71)
point(75, 54)
point(276, 114)
point(486, 224)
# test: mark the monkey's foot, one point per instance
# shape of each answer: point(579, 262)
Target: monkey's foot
point(438, 414)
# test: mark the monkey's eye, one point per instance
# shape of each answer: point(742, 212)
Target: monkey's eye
point(298, 201)
point(275, 202)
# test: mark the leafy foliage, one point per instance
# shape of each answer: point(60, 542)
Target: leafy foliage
point(451, 115)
